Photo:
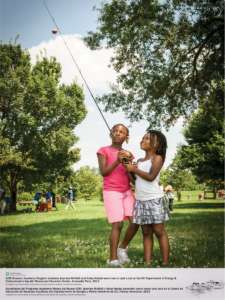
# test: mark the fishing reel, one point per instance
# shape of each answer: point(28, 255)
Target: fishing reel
point(126, 160)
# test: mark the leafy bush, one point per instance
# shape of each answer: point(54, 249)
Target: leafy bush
point(25, 196)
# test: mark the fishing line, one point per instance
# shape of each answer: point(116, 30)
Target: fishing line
point(82, 76)
point(128, 154)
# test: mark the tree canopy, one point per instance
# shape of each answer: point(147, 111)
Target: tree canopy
point(204, 152)
point(166, 55)
point(89, 182)
point(37, 118)
point(189, 183)
point(177, 176)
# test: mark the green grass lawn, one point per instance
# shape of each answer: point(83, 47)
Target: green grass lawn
point(80, 238)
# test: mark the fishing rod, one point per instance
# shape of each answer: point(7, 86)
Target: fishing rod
point(82, 76)
point(127, 157)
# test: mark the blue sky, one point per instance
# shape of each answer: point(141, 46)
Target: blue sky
point(30, 19)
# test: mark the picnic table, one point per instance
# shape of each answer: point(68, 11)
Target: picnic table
point(25, 203)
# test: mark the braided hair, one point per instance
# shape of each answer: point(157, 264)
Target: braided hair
point(161, 142)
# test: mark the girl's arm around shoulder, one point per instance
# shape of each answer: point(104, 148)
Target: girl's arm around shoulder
point(154, 171)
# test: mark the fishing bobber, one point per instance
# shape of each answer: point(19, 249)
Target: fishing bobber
point(54, 31)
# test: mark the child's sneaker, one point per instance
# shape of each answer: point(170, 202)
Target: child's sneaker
point(114, 263)
point(122, 254)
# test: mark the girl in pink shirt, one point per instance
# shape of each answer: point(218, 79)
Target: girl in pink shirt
point(118, 197)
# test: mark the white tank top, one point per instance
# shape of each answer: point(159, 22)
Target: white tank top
point(147, 190)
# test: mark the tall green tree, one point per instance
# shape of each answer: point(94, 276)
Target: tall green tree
point(190, 182)
point(166, 53)
point(204, 152)
point(164, 177)
point(89, 183)
point(37, 118)
point(178, 176)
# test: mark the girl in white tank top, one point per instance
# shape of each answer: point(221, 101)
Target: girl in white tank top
point(147, 190)
point(150, 208)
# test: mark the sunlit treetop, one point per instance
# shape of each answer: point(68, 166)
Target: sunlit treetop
point(166, 54)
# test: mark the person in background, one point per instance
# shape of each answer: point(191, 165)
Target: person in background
point(2, 198)
point(70, 198)
point(170, 194)
point(36, 198)
point(53, 199)
point(7, 200)
point(48, 197)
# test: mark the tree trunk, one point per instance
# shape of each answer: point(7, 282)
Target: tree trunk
point(179, 194)
point(12, 205)
point(214, 191)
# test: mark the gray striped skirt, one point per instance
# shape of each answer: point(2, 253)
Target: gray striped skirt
point(153, 211)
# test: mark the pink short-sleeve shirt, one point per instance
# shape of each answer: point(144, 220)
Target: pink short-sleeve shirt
point(118, 179)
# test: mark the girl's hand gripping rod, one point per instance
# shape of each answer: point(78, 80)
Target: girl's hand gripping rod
point(128, 154)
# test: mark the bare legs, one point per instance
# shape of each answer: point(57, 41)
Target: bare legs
point(147, 238)
point(115, 235)
point(130, 233)
point(114, 239)
point(147, 232)
point(162, 237)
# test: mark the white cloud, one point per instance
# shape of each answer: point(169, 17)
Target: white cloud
point(90, 108)
point(93, 64)
point(94, 67)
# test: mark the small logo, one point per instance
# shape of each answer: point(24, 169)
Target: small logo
point(7, 273)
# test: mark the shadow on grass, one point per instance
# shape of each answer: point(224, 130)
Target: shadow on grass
point(95, 228)
point(55, 235)
point(64, 227)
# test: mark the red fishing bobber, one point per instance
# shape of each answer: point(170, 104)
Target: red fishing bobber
point(54, 31)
